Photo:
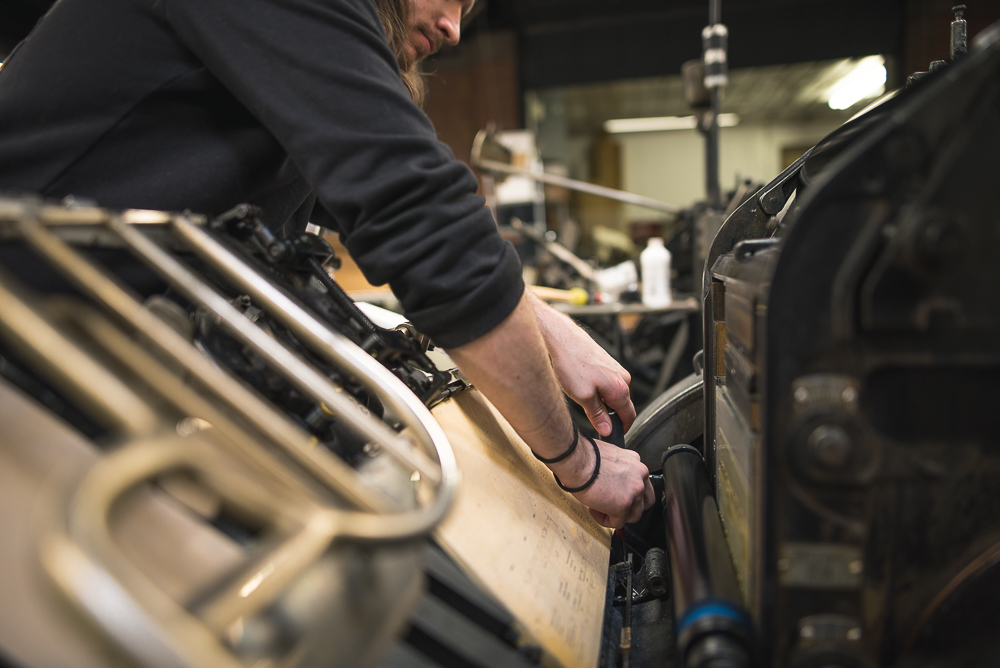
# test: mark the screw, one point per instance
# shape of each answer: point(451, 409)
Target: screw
point(276, 251)
point(849, 395)
point(807, 631)
point(855, 567)
point(801, 395)
point(854, 634)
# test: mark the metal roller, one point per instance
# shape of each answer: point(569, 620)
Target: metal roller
point(712, 628)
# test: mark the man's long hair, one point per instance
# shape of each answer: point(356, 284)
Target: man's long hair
point(395, 16)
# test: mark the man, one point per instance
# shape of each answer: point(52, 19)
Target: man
point(203, 104)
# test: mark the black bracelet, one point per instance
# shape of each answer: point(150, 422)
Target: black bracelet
point(572, 447)
point(593, 477)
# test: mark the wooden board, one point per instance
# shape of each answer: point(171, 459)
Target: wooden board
point(528, 543)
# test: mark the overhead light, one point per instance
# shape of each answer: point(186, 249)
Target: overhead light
point(662, 123)
point(865, 80)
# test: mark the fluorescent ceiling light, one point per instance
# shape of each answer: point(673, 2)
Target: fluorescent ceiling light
point(662, 123)
point(865, 80)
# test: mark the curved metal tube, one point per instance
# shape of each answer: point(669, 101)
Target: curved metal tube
point(328, 469)
point(84, 559)
point(676, 416)
point(323, 340)
point(298, 372)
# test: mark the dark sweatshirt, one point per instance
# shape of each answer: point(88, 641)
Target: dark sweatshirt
point(204, 104)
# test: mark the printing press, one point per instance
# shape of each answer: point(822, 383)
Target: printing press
point(239, 468)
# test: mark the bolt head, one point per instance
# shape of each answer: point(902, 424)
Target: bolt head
point(831, 445)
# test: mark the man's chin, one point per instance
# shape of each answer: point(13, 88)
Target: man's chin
point(412, 57)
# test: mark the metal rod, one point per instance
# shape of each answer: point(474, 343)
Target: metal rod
point(178, 393)
point(354, 526)
point(558, 250)
point(672, 357)
point(581, 186)
point(292, 439)
point(713, 192)
point(333, 346)
point(63, 362)
point(295, 370)
point(302, 531)
point(708, 615)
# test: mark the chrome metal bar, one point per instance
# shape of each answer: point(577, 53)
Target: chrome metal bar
point(292, 439)
point(180, 395)
point(328, 469)
point(324, 341)
point(358, 526)
point(581, 186)
point(266, 578)
point(64, 362)
point(295, 370)
point(158, 630)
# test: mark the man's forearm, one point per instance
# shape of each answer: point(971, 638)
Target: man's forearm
point(584, 370)
point(510, 365)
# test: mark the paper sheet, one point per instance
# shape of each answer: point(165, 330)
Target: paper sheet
point(528, 543)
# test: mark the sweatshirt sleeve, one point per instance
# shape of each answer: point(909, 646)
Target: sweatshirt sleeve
point(321, 77)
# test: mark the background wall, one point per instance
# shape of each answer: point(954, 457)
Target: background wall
point(670, 166)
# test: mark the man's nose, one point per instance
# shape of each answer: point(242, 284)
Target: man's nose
point(450, 24)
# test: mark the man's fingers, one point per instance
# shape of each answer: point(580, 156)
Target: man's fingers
point(597, 413)
point(635, 512)
point(627, 414)
point(648, 494)
point(602, 518)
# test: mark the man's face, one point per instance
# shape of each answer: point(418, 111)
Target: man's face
point(434, 23)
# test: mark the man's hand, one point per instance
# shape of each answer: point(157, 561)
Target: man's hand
point(510, 365)
point(585, 371)
point(622, 490)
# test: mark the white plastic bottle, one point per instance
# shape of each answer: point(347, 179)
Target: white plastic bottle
point(655, 263)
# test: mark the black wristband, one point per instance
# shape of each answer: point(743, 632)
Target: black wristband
point(572, 447)
point(593, 477)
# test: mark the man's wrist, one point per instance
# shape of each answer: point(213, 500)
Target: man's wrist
point(576, 469)
point(566, 453)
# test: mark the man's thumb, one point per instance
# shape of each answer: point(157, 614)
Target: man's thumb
point(598, 415)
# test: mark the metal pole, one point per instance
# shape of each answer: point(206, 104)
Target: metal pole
point(496, 167)
point(713, 192)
